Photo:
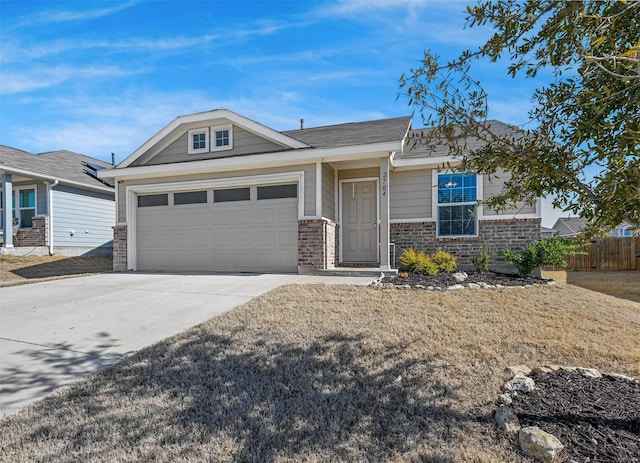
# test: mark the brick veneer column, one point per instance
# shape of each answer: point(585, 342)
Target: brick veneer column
point(316, 245)
point(38, 235)
point(120, 248)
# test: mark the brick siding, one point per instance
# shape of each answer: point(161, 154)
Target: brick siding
point(120, 248)
point(498, 234)
point(38, 235)
point(317, 247)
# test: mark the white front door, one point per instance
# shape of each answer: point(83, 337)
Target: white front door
point(359, 222)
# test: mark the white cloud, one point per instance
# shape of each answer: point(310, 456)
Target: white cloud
point(60, 16)
point(40, 77)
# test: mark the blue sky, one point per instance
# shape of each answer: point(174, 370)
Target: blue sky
point(100, 77)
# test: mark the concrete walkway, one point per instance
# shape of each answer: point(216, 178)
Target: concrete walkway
point(54, 332)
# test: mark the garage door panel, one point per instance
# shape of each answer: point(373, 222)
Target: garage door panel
point(238, 236)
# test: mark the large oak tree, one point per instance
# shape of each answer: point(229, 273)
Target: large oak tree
point(584, 144)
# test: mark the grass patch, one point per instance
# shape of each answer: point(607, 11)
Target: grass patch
point(318, 373)
point(18, 270)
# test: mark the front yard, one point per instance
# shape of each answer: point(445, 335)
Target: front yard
point(318, 373)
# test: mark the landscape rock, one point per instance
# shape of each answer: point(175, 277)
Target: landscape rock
point(506, 420)
point(455, 287)
point(460, 276)
point(589, 372)
point(505, 399)
point(473, 286)
point(520, 383)
point(538, 444)
point(513, 370)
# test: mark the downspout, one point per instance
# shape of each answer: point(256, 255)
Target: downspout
point(50, 187)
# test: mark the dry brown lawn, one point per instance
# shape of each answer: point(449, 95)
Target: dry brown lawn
point(619, 283)
point(319, 374)
point(17, 270)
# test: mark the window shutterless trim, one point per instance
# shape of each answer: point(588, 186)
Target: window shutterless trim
point(204, 132)
point(228, 137)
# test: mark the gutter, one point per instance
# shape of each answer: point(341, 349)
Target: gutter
point(46, 178)
point(50, 187)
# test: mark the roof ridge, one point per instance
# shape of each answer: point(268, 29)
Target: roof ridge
point(347, 123)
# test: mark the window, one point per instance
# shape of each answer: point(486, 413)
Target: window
point(278, 191)
point(231, 194)
point(457, 204)
point(27, 207)
point(153, 200)
point(198, 141)
point(221, 138)
point(190, 197)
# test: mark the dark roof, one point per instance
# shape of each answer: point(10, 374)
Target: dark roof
point(63, 165)
point(416, 148)
point(353, 133)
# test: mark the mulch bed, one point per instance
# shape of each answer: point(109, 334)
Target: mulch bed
point(444, 280)
point(596, 419)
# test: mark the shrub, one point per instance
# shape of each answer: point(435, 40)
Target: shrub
point(548, 251)
point(481, 259)
point(444, 261)
point(418, 262)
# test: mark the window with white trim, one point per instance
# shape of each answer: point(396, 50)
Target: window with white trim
point(457, 194)
point(221, 138)
point(198, 141)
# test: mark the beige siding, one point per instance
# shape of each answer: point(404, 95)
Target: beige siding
point(410, 194)
point(328, 192)
point(492, 186)
point(121, 204)
point(309, 184)
point(359, 173)
point(243, 143)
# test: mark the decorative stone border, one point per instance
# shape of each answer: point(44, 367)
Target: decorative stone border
point(533, 441)
point(377, 283)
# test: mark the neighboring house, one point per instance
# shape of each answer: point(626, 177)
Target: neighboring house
point(625, 229)
point(216, 191)
point(55, 202)
point(570, 227)
point(546, 232)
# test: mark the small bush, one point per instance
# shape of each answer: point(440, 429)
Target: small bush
point(444, 261)
point(482, 258)
point(548, 251)
point(418, 262)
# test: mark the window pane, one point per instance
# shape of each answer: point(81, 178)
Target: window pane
point(456, 188)
point(231, 194)
point(27, 198)
point(153, 200)
point(190, 197)
point(278, 191)
point(222, 138)
point(26, 216)
point(456, 220)
point(199, 141)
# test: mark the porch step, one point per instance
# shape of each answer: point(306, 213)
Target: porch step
point(356, 272)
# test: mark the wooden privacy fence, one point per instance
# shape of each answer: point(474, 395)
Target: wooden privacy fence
point(608, 254)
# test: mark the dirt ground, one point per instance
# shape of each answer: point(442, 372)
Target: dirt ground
point(619, 283)
point(16, 270)
point(340, 374)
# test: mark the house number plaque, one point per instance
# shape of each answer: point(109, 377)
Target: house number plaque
point(384, 184)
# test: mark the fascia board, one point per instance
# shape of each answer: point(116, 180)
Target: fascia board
point(256, 161)
point(237, 119)
point(424, 162)
point(49, 178)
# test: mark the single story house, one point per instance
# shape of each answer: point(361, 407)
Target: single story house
point(55, 202)
point(570, 227)
point(216, 191)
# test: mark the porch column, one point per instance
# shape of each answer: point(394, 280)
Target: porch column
point(383, 227)
point(7, 210)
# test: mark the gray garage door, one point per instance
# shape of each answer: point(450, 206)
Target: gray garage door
point(247, 229)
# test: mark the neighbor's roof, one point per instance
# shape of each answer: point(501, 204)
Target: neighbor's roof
point(353, 133)
point(417, 148)
point(574, 224)
point(64, 166)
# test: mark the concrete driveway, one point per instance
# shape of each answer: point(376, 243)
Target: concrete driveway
point(54, 332)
